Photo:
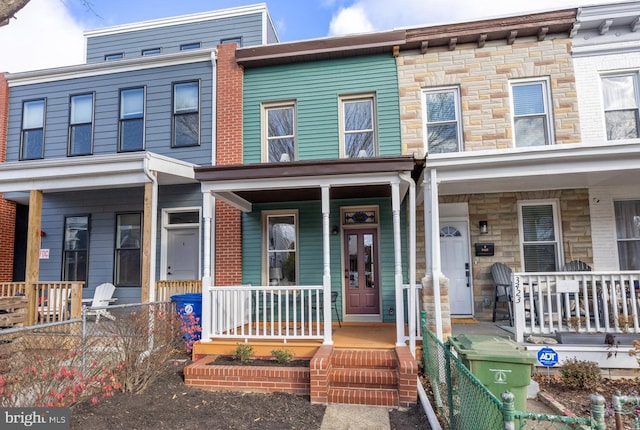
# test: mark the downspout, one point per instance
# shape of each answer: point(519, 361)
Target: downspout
point(214, 105)
point(411, 292)
point(153, 228)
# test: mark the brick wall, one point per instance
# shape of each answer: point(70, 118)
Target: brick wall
point(228, 254)
point(7, 209)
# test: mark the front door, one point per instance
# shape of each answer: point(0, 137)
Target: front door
point(361, 272)
point(182, 253)
point(454, 254)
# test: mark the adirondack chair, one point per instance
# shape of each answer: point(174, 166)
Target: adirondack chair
point(102, 297)
point(55, 306)
point(501, 274)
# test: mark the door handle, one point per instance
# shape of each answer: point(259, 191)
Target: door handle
point(467, 273)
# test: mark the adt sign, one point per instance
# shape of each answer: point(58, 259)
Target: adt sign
point(548, 357)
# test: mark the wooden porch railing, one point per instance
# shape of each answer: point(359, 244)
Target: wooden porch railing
point(47, 301)
point(265, 312)
point(165, 289)
point(581, 302)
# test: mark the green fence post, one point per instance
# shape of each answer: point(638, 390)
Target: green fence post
point(447, 360)
point(509, 410)
point(597, 411)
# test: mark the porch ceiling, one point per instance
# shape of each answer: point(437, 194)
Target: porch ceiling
point(545, 168)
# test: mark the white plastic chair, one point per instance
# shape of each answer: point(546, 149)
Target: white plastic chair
point(102, 297)
point(55, 306)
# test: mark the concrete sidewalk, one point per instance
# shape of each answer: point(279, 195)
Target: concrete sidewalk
point(355, 417)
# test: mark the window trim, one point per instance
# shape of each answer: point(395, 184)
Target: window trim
point(150, 51)
point(87, 249)
point(634, 74)
point(266, 214)
point(70, 125)
point(116, 248)
point(264, 128)
point(121, 120)
point(618, 239)
point(237, 39)
point(174, 114)
point(458, 120)
point(548, 107)
point(191, 45)
point(22, 129)
point(114, 56)
point(345, 98)
point(557, 226)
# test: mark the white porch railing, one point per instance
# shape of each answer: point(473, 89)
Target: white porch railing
point(266, 312)
point(581, 302)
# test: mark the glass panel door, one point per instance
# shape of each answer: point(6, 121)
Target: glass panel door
point(361, 272)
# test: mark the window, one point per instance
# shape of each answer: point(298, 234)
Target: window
point(127, 263)
point(443, 128)
point(531, 113)
point(152, 51)
point(540, 236)
point(32, 139)
point(188, 46)
point(81, 124)
point(237, 40)
point(280, 133)
point(186, 117)
point(281, 239)
point(112, 57)
point(357, 126)
point(132, 119)
point(75, 255)
point(628, 233)
point(620, 95)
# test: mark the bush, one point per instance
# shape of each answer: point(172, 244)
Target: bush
point(282, 355)
point(244, 351)
point(580, 375)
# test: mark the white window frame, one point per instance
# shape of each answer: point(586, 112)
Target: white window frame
point(265, 240)
point(342, 123)
point(557, 226)
point(548, 111)
point(458, 118)
point(264, 120)
point(636, 91)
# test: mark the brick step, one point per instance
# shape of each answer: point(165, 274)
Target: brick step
point(364, 378)
point(369, 359)
point(371, 397)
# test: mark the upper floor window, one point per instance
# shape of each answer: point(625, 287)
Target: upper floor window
point(186, 115)
point(531, 113)
point(75, 254)
point(152, 51)
point(111, 57)
point(188, 46)
point(357, 126)
point(443, 125)
point(131, 119)
point(628, 233)
point(237, 40)
point(81, 124)
point(281, 250)
point(620, 95)
point(280, 132)
point(32, 139)
point(540, 235)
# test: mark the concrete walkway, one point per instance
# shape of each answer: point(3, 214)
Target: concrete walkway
point(355, 417)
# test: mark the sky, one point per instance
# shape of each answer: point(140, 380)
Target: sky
point(49, 33)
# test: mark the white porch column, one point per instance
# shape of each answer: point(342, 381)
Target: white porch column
point(411, 293)
point(326, 267)
point(208, 207)
point(397, 252)
point(432, 236)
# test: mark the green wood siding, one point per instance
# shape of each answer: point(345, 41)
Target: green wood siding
point(310, 264)
point(316, 87)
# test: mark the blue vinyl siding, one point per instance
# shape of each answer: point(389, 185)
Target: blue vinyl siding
point(158, 114)
point(169, 38)
point(316, 88)
point(310, 246)
point(102, 207)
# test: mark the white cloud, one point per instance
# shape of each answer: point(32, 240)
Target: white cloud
point(383, 15)
point(42, 35)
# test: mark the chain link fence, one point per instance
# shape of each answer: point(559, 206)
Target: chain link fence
point(60, 363)
point(464, 403)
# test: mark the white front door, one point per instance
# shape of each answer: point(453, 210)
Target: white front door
point(182, 253)
point(455, 256)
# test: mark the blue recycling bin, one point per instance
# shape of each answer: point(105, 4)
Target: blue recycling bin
point(189, 307)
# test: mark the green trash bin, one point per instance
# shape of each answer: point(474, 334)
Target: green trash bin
point(500, 364)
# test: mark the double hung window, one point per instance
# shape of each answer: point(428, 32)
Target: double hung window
point(81, 125)
point(280, 132)
point(132, 119)
point(32, 139)
point(358, 126)
point(128, 247)
point(531, 113)
point(443, 128)
point(186, 114)
point(540, 236)
point(75, 254)
point(627, 214)
point(620, 94)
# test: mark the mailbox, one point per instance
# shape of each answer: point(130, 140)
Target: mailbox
point(484, 249)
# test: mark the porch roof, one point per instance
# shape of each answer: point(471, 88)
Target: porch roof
point(244, 184)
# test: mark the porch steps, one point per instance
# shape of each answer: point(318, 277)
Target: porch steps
point(363, 377)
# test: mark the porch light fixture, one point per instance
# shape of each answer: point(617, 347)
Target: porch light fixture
point(335, 230)
point(484, 227)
